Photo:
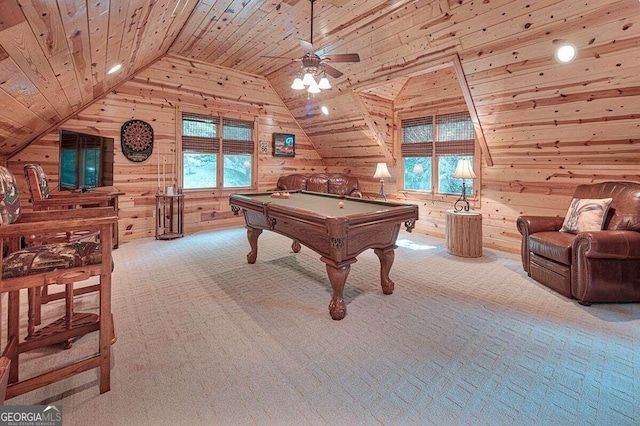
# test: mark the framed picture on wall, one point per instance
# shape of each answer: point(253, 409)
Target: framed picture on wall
point(284, 145)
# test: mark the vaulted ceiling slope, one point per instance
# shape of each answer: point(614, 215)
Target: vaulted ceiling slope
point(54, 58)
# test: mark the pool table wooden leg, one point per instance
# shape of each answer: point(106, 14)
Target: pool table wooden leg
point(252, 236)
point(338, 276)
point(386, 256)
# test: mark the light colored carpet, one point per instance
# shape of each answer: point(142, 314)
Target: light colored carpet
point(206, 339)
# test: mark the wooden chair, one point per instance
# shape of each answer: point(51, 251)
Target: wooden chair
point(4, 377)
point(60, 263)
point(44, 199)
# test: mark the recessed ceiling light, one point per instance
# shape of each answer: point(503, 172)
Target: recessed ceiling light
point(324, 110)
point(116, 68)
point(566, 53)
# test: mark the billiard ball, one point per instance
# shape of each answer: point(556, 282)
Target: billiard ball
point(341, 204)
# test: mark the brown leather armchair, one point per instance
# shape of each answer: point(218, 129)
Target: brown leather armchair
point(336, 183)
point(592, 266)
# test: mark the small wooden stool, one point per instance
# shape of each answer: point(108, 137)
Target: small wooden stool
point(464, 233)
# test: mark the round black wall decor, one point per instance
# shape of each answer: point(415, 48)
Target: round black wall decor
point(137, 140)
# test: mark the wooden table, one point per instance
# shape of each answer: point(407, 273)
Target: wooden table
point(169, 216)
point(338, 234)
point(464, 233)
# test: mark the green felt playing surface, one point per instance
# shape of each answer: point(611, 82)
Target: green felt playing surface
point(324, 205)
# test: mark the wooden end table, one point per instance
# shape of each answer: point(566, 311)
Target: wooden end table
point(464, 233)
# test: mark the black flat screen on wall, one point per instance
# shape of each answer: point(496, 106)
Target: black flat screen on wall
point(86, 161)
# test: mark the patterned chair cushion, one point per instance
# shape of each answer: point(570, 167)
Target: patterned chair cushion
point(52, 257)
point(41, 176)
point(9, 197)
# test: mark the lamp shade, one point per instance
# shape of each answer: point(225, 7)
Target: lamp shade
point(324, 83)
point(464, 170)
point(313, 88)
point(308, 79)
point(297, 84)
point(382, 171)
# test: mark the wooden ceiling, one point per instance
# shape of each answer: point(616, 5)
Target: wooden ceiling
point(54, 58)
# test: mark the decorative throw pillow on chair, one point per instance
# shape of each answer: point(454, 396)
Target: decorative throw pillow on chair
point(586, 214)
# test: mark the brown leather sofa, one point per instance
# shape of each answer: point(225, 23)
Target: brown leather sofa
point(592, 266)
point(336, 183)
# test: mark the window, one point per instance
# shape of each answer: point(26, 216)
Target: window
point(216, 152)
point(237, 148)
point(417, 152)
point(431, 147)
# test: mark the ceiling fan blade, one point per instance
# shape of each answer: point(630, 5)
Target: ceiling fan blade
point(332, 71)
point(306, 46)
point(342, 57)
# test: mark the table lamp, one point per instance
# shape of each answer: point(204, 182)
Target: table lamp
point(464, 170)
point(382, 172)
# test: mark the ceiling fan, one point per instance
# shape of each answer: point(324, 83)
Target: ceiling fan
point(314, 65)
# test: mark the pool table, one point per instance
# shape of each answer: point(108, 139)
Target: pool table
point(338, 228)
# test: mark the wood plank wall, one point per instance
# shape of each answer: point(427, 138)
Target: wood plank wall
point(158, 95)
point(532, 183)
point(436, 92)
point(538, 164)
point(551, 126)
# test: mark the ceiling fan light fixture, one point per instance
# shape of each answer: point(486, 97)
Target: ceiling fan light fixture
point(308, 79)
point(324, 83)
point(316, 65)
point(297, 84)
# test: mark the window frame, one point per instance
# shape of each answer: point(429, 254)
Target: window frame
point(219, 189)
point(434, 194)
